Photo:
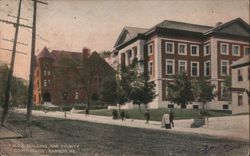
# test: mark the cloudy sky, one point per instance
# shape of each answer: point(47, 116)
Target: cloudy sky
point(72, 24)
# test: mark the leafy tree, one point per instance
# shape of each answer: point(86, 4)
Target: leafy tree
point(226, 88)
point(203, 91)
point(180, 91)
point(141, 91)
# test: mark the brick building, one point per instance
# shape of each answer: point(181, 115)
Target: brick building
point(172, 47)
point(66, 77)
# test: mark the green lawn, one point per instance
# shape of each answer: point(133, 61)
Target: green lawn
point(156, 114)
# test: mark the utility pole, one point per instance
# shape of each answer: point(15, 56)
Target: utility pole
point(32, 68)
point(8, 87)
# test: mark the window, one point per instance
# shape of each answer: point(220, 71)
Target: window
point(240, 78)
point(45, 72)
point(182, 49)
point(135, 51)
point(206, 49)
point(76, 95)
point(150, 49)
point(194, 49)
point(169, 67)
point(224, 48)
point(194, 68)
point(95, 79)
point(207, 68)
point(169, 47)
point(236, 50)
point(247, 51)
point(150, 68)
point(249, 74)
point(48, 72)
point(100, 79)
point(240, 100)
point(224, 67)
point(45, 83)
point(182, 66)
point(48, 82)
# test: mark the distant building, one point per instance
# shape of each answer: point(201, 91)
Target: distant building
point(171, 47)
point(241, 85)
point(57, 82)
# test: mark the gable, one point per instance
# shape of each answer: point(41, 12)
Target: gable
point(123, 37)
point(236, 29)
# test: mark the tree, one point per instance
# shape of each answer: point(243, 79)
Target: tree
point(180, 91)
point(203, 91)
point(226, 94)
point(109, 91)
point(141, 91)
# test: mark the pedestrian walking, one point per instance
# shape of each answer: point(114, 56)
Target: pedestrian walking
point(147, 116)
point(65, 115)
point(122, 115)
point(171, 118)
point(87, 112)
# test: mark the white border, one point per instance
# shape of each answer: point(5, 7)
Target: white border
point(235, 45)
point(172, 67)
point(204, 49)
point(198, 68)
point(221, 67)
point(150, 53)
point(205, 74)
point(168, 52)
point(179, 61)
point(227, 50)
point(197, 52)
point(185, 48)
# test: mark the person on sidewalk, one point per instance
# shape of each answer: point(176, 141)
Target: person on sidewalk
point(87, 111)
point(171, 118)
point(122, 115)
point(147, 116)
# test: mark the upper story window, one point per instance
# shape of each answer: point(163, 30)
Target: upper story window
point(194, 49)
point(150, 49)
point(169, 47)
point(76, 95)
point(195, 69)
point(182, 49)
point(169, 67)
point(247, 51)
point(206, 49)
point(45, 72)
point(236, 50)
point(182, 66)
point(224, 67)
point(48, 72)
point(45, 83)
point(240, 78)
point(207, 68)
point(224, 49)
point(150, 68)
point(240, 100)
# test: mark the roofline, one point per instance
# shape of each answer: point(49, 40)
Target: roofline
point(241, 65)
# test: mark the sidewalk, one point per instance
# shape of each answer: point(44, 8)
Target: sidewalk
point(231, 127)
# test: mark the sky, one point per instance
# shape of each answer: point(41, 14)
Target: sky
point(73, 24)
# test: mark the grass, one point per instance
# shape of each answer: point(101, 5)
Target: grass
point(156, 114)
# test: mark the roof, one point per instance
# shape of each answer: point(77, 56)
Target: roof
point(183, 26)
point(44, 53)
point(242, 62)
point(131, 33)
point(57, 55)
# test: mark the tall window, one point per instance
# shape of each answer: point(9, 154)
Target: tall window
point(182, 66)
point(169, 47)
point(247, 51)
point(240, 100)
point(45, 72)
point(206, 49)
point(150, 49)
point(207, 68)
point(194, 68)
point(182, 49)
point(76, 95)
point(224, 67)
point(240, 78)
point(169, 67)
point(194, 50)
point(150, 68)
point(236, 50)
point(45, 83)
point(224, 48)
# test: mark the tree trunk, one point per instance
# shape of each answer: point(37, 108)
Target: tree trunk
point(140, 110)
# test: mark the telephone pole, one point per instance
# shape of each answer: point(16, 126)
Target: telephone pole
point(32, 68)
point(8, 87)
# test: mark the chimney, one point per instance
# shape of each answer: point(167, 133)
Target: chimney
point(218, 24)
point(85, 52)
